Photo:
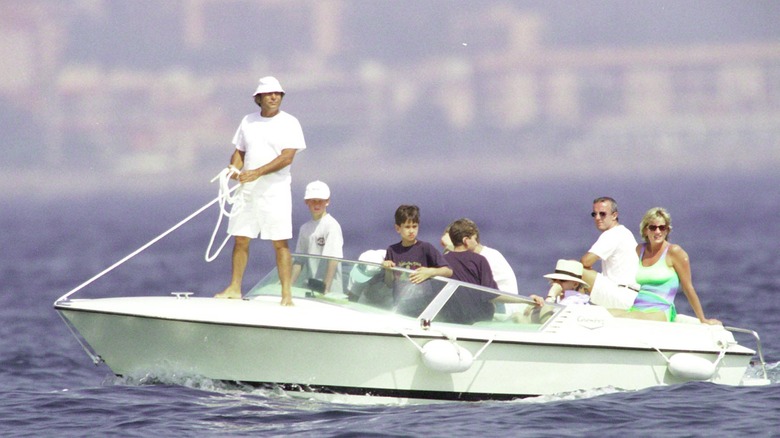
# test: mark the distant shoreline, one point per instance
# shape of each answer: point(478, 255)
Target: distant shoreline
point(43, 186)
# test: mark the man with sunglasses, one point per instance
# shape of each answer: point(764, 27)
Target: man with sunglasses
point(615, 287)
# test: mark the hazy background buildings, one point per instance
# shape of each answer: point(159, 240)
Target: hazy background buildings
point(135, 94)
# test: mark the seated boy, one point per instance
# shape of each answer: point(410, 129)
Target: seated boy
point(320, 236)
point(468, 306)
point(410, 253)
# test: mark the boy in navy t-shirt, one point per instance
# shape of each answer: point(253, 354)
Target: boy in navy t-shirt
point(421, 257)
point(468, 306)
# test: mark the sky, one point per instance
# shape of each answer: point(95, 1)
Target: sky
point(147, 36)
point(491, 177)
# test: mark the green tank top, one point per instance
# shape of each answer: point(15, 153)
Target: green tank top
point(659, 284)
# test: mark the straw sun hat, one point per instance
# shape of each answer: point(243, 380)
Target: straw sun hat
point(567, 270)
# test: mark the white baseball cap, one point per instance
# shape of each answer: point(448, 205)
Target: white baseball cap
point(268, 84)
point(317, 190)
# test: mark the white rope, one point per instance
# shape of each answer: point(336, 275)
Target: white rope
point(147, 245)
point(668, 360)
point(720, 356)
point(419, 348)
point(490, 341)
point(224, 197)
point(237, 201)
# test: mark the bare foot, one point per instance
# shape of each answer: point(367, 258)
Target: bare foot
point(287, 300)
point(229, 293)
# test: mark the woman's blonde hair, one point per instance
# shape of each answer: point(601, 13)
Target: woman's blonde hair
point(653, 213)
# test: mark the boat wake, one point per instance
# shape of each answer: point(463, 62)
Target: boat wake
point(754, 373)
point(570, 396)
point(188, 381)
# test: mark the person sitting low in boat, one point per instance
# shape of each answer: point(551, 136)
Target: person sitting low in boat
point(366, 283)
point(320, 236)
point(565, 285)
point(664, 268)
point(468, 306)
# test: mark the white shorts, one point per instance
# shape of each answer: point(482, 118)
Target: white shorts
point(607, 293)
point(269, 217)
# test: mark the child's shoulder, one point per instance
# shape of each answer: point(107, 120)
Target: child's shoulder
point(426, 245)
point(465, 255)
point(396, 247)
point(329, 218)
point(417, 246)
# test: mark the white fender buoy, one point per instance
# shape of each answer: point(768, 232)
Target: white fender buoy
point(690, 367)
point(446, 356)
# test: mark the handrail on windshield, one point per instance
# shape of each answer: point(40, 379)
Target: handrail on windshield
point(441, 298)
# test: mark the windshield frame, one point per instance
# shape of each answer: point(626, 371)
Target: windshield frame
point(441, 290)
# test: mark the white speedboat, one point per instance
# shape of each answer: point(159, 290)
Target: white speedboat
point(403, 341)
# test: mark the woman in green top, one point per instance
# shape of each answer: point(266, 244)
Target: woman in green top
point(664, 268)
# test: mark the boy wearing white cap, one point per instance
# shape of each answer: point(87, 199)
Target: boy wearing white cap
point(320, 236)
point(265, 145)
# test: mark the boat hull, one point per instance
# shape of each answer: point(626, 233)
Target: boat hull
point(333, 350)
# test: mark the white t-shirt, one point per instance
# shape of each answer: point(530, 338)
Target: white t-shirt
point(502, 271)
point(266, 210)
point(616, 247)
point(322, 237)
point(263, 139)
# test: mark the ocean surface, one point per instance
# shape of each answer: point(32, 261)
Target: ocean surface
point(49, 386)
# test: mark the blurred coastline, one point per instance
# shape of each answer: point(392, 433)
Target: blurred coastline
point(102, 95)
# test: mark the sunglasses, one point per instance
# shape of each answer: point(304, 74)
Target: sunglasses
point(657, 227)
point(600, 213)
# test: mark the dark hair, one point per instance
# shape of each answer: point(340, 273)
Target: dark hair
point(462, 228)
point(407, 213)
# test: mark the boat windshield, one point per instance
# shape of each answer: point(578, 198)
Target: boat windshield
point(368, 287)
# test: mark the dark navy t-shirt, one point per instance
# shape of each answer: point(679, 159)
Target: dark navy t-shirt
point(469, 306)
point(421, 254)
point(411, 299)
point(470, 267)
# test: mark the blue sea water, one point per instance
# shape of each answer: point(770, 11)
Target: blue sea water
point(49, 386)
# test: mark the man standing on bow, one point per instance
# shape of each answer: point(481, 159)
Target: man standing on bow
point(615, 287)
point(266, 143)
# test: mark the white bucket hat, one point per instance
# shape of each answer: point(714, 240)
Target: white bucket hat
point(570, 270)
point(268, 84)
point(317, 190)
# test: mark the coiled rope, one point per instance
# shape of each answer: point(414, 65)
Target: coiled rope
point(224, 198)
